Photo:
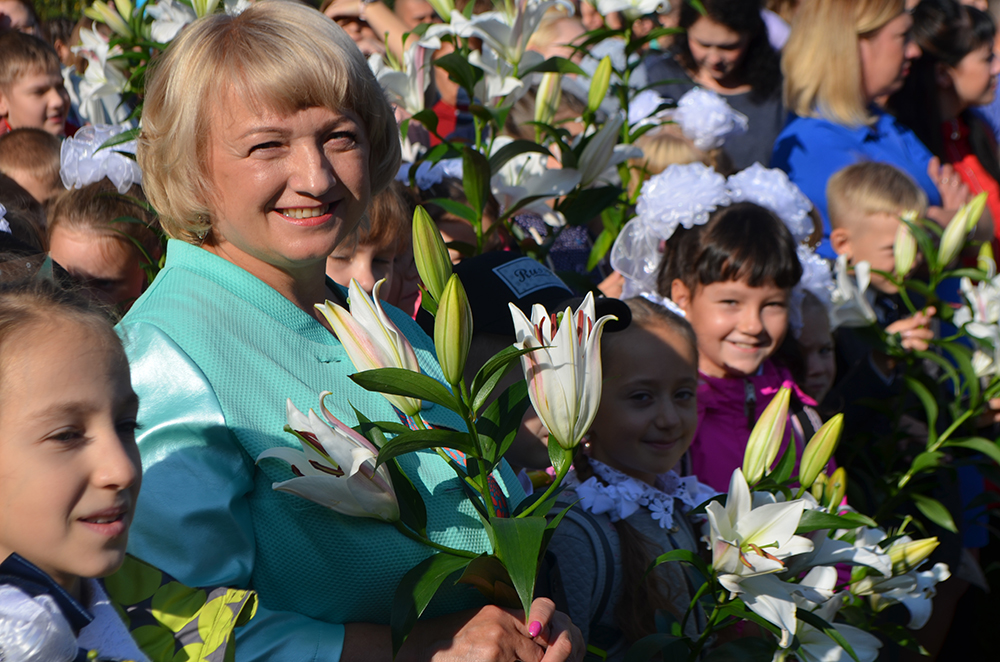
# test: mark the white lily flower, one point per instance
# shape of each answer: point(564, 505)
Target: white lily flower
point(169, 18)
point(980, 318)
point(371, 339)
point(406, 87)
point(235, 7)
point(817, 646)
point(850, 306)
point(749, 541)
point(632, 9)
point(603, 152)
point(335, 468)
point(643, 107)
point(829, 551)
point(506, 33)
point(768, 597)
point(102, 12)
point(500, 85)
point(103, 77)
point(564, 371)
point(528, 176)
point(918, 597)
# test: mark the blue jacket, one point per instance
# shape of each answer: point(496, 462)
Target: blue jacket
point(811, 150)
point(214, 354)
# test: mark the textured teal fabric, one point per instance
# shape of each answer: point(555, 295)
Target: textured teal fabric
point(214, 354)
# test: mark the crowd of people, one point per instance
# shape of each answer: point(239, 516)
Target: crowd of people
point(158, 307)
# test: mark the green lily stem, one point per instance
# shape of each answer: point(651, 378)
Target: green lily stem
point(470, 423)
point(430, 543)
point(552, 488)
point(703, 639)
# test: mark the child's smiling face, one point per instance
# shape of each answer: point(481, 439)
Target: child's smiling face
point(738, 326)
point(69, 466)
point(648, 413)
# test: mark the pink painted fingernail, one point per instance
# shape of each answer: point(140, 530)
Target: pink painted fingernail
point(534, 629)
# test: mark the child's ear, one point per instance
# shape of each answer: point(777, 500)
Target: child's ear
point(840, 241)
point(680, 294)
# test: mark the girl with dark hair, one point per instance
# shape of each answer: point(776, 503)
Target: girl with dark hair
point(727, 51)
point(956, 72)
point(631, 505)
point(732, 275)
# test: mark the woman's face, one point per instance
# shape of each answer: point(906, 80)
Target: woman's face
point(286, 189)
point(716, 50)
point(975, 78)
point(885, 57)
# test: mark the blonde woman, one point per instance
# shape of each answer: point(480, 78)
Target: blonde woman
point(264, 137)
point(841, 58)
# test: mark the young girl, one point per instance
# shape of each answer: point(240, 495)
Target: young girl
point(69, 476)
point(631, 503)
point(732, 276)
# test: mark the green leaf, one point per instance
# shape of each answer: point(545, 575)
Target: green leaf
point(460, 71)
point(814, 520)
point(601, 246)
point(415, 591)
point(929, 403)
point(980, 445)
point(476, 180)
point(121, 138)
point(588, 203)
point(518, 544)
point(512, 149)
point(747, 649)
point(455, 207)
point(492, 372)
point(429, 119)
point(418, 440)
point(786, 465)
point(400, 381)
point(935, 511)
point(963, 357)
point(502, 419)
point(679, 555)
point(654, 644)
point(554, 65)
point(925, 461)
point(827, 629)
point(412, 510)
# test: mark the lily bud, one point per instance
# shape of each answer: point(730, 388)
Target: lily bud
point(956, 233)
point(548, 97)
point(765, 439)
point(453, 330)
point(443, 8)
point(835, 489)
point(430, 254)
point(904, 248)
point(597, 154)
point(599, 84)
point(819, 449)
point(819, 485)
point(976, 208)
point(985, 261)
point(103, 13)
point(907, 556)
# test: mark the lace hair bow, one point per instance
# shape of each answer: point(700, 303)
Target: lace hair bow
point(82, 161)
point(4, 224)
point(770, 188)
point(431, 174)
point(680, 196)
point(817, 279)
point(707, 120)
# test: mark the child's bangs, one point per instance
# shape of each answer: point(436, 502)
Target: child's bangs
point(755, 248)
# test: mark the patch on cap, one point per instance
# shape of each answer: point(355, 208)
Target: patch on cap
point(524, 276)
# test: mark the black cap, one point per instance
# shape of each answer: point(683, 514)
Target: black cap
point(494, 279)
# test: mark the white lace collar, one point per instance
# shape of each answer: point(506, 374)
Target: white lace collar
point(621, 495)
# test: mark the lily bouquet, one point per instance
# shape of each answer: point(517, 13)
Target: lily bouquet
point(790, 556)
point(354, 470)
point(941, 420)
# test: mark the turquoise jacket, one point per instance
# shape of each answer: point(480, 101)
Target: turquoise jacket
point(214, 353)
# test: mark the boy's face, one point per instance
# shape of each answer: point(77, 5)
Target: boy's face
point(37, 100)
point(107, 267)
point(870, 238)
point(69, 466)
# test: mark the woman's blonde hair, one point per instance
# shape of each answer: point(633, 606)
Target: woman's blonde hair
point(277, 55)
point(820, 62)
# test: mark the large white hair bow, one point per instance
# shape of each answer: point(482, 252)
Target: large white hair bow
point(82, 161)
point(707, 120)
point(770, 188)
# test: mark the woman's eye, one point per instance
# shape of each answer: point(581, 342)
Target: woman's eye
point(343, 138)
point(273, 144)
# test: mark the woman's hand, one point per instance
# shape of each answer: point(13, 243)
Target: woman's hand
point(954, 192)
point(489, 634)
